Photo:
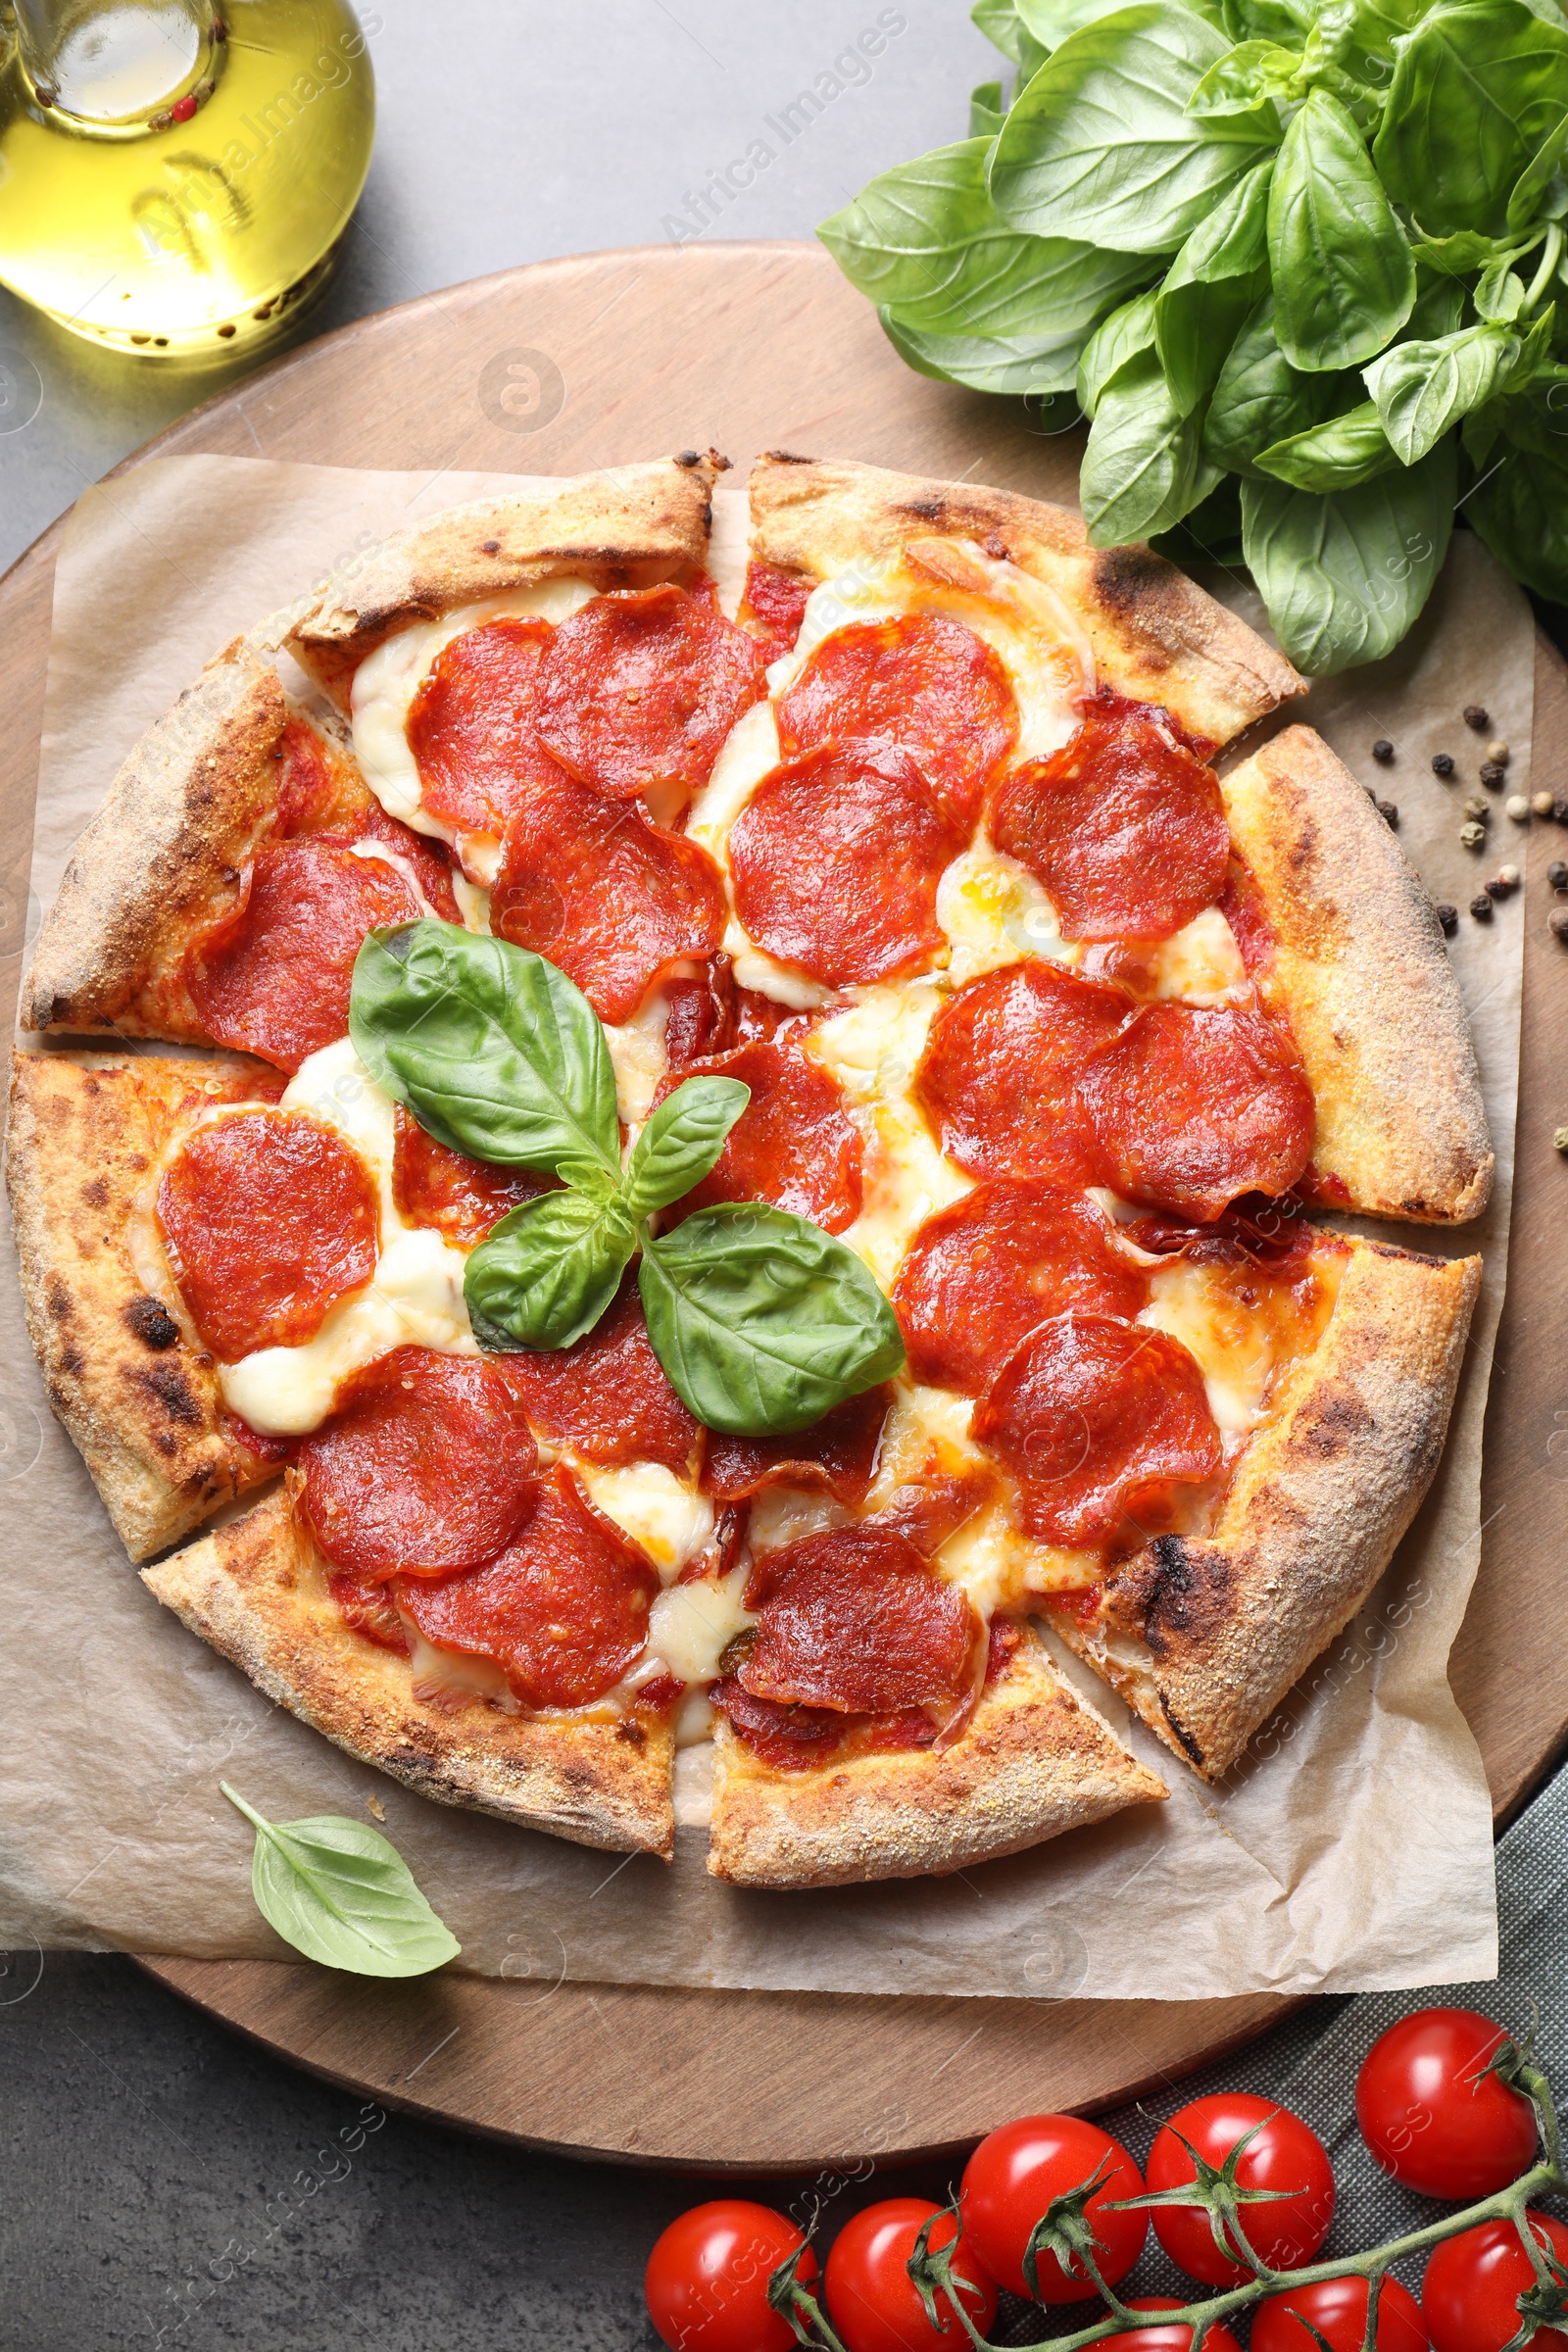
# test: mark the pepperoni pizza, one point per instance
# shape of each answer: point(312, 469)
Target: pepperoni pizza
point(1018, 1041)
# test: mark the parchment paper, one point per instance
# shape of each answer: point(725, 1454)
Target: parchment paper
point(1350, 1849)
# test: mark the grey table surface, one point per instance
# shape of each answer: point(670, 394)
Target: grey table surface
point(143, 2150)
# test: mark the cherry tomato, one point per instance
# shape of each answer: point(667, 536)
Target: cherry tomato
point(1166, 2338)
point(1012, 2177)
point(871, 2299)
point(1284, 2154)
point(1337, 2309)
point(1432, 2117)
point(1471, 2292)
point(707, 2279)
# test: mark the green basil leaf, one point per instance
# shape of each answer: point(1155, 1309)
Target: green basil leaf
point(1361, 37)
point(999, 21)
point(1009, 364)
point(1343, 271)
point(926, 240)
point(1534, 354)
point(544, 1275)
point(1282, 20)
point(1126, 335)
point(1520, 508)
point(491, 1048)
point(1540, 185)
point(1499, 294)
point(1245, 78)
point(1439, 308)
point(1466, 250)
point(1421, 389)
point(763, 1321)
point(1211, 288)
point(1051, 21)
point(1144, 467)
point(986, 110)
point(1100, 145)
point(1260, 398)
point(681, 1142)
point(341, 1893)
point(1344, 577)
point(1336, 455)
point(1210, 534)
point(1477, 90)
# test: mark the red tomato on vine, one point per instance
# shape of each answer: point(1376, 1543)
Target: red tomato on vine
point(1471, 2292)
point(1012, 2177)
point(872, 2301)
point(706, 2278)
point(1166, 2338)
point(1283, 2154)
point(1431, 2114)
point(1337, 2309)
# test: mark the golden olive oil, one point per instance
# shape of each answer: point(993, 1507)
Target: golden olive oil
point(175, 176)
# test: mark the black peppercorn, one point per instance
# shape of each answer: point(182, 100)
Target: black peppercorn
point(1492, 775)
point(1475, 716)
point(1388, 812)
point(1442, 764)
point(1447, 916)
point(1557, 874)
point(1383, 750)
point(1557, 922)
point(1480, 908)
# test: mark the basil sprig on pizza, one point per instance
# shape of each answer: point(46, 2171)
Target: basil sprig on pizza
point(755, 1165)
point(763, 1321)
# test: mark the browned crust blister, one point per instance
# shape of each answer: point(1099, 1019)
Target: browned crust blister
point(1362, 974)
point(1205, 1638)
point(1156, 635)
point(253, 1592)
point(1035, 1761)
point(140, 1403)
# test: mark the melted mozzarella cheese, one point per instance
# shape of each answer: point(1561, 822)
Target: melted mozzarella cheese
point(995, 912)
point(388, 679)
point(874, 1048)
point(474, 904)
point(1202, 964)
point(665, 1514)
point(387, 855)
point(691, 1625)
point(637, 1051)
point(750, 753)
point(1236, 1351)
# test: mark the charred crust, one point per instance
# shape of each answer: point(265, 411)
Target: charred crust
point(1180, 1732)
point(489, 547)
point(787, 456)
point(629, 1730)
point(1332, 1421)
point(96, 1192)
point(59, 1300)
point(72, 1360)
point(168, 1385)
point(925, 509)
point(148, 1319)
point(1186, 1597)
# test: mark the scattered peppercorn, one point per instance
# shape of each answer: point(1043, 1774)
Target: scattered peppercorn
point(1479, 808)
point(1442, 764)
point(1509, 876)
point(1557, 922)
point(1383, 750)
point(1559, 809)
point(1517, 806)
point(1498, 751)
point(1475, 716)
point(1497, 888)
point(1557, 874)
point(1541, 803)
point(1492, 775)
point(1480, 908)
point(1388, 810)
point(1449, 917)
point(1561, 1138)
point(1473, 835)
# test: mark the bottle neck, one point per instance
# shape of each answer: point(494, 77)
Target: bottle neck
point(123, 65)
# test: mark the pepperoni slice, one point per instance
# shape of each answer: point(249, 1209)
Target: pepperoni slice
point(1190, 1107)
point(853, 1620)
point(999, 1076)
point(701, 1015)
point(272, 976)
point(370, 1610)
point(609, 898)
point(981, 1273)
point(1125, 829)
point(935, 1503)
point(470, 724)
point(308, 781)
point(837, 1454)
point(426, 1465)
point(458, 1197)
point(269, 1219)
point(562, 1610)
point(1092, 1416)
point(835, 859)
point(794, 1144)
point(607, 1396)
point(790, 1738)
point(922, 681)
point(638, 691)
point(773, 606)
point(432, 868)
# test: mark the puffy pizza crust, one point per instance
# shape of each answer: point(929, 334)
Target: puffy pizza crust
point(140, 1400)
point(630, 526)
point(1156, 635)
point(253, 1591)
point(1205, 1638)
point(1362, 975)
point(1035, 1760)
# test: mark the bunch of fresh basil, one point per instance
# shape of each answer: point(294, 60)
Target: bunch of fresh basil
point(763, 1321)
point(1299, 264)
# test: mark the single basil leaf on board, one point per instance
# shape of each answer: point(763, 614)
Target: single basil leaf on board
point(1210, 534)
point(1260, 398)
point(1336, 455)
point(1100, 145)
point(681, 1142)
point(1520, 508)
point(1343, 272)
point(1344, 577)
point(1016, 365)
point(341, 1893)
point(763, 1321)
point(491, 1048)
point(1143, 467)
point(544, 1274)
point(1477, 90)
point(1211, 288)
point(1126, 335)
point(1244, 77)
point(986, 110)
point(1421, 389)
point(926, 240)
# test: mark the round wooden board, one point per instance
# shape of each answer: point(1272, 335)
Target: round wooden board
point(745, 348)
